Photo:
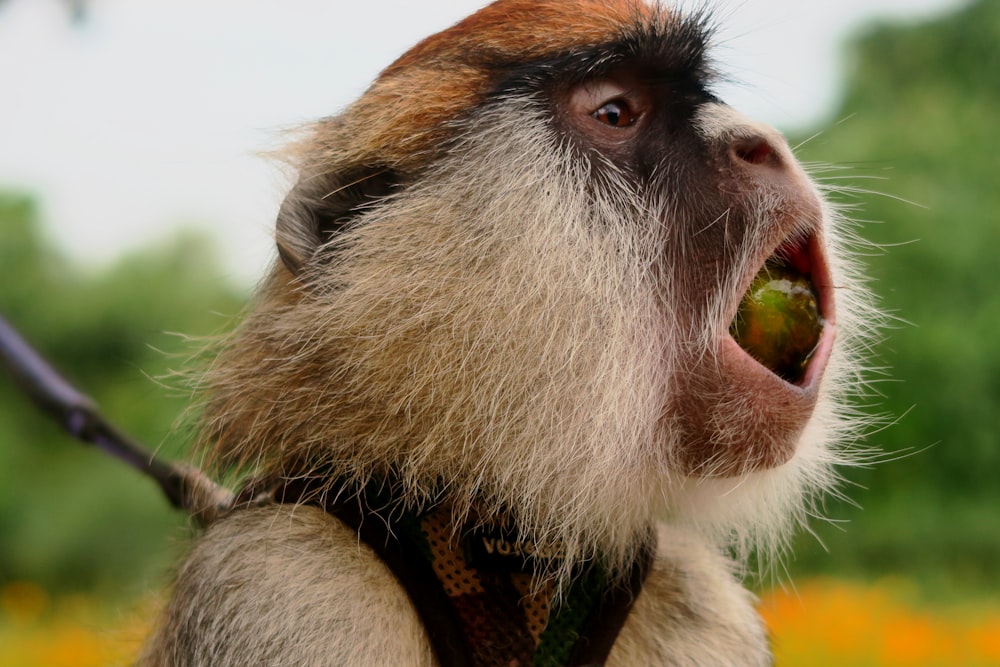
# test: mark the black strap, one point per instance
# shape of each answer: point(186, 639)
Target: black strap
point(416, 574)
point(607, 619)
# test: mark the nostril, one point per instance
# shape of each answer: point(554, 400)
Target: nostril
point(757, 151)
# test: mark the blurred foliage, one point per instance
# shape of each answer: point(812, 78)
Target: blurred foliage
point(72, 518)
point(919, 117)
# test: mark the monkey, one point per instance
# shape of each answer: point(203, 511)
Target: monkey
point(493, 365)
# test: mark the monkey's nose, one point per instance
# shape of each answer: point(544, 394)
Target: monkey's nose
point(757, 151)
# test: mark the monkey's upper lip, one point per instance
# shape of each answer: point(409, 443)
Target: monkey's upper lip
point(791, 318)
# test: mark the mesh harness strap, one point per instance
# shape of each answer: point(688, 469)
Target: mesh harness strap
point(474, 591)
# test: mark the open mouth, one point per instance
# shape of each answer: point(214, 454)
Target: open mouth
point(751, 400)
point(782, 317)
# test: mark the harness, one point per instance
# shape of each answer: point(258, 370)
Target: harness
point(475, 590)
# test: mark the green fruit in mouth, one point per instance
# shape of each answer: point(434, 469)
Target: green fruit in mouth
point(778, 322)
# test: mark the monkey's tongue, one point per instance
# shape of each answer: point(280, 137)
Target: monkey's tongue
point(779, 322)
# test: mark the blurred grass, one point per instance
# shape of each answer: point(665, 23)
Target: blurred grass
point(821, 623)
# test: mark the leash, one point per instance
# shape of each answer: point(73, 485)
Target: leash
point(186, 488)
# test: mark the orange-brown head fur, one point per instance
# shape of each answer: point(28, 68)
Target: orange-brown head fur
point(406, 111)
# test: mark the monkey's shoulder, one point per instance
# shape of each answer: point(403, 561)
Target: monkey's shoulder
point(692, 610)
point(286, 585)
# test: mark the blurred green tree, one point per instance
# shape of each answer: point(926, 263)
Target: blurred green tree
point(920, 118)
point(71, 518)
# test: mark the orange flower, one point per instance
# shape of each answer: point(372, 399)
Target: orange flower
point(828, 622)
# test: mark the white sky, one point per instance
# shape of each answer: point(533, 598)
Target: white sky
point(152, 113)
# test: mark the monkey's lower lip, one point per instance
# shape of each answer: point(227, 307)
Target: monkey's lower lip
point(785, 318)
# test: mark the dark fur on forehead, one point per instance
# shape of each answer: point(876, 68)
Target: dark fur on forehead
point(670, 47)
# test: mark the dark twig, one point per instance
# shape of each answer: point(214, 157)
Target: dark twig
point(186, 487)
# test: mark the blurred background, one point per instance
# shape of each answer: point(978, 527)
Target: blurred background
point(135, 210)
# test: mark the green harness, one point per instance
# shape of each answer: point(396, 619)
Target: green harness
point(476, 590)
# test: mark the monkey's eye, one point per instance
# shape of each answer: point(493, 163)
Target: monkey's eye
point(608, 112)
point(616, 113)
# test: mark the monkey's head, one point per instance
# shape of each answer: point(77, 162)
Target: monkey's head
point(508, 277)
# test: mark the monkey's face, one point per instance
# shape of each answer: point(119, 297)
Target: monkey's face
point(514, 265)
